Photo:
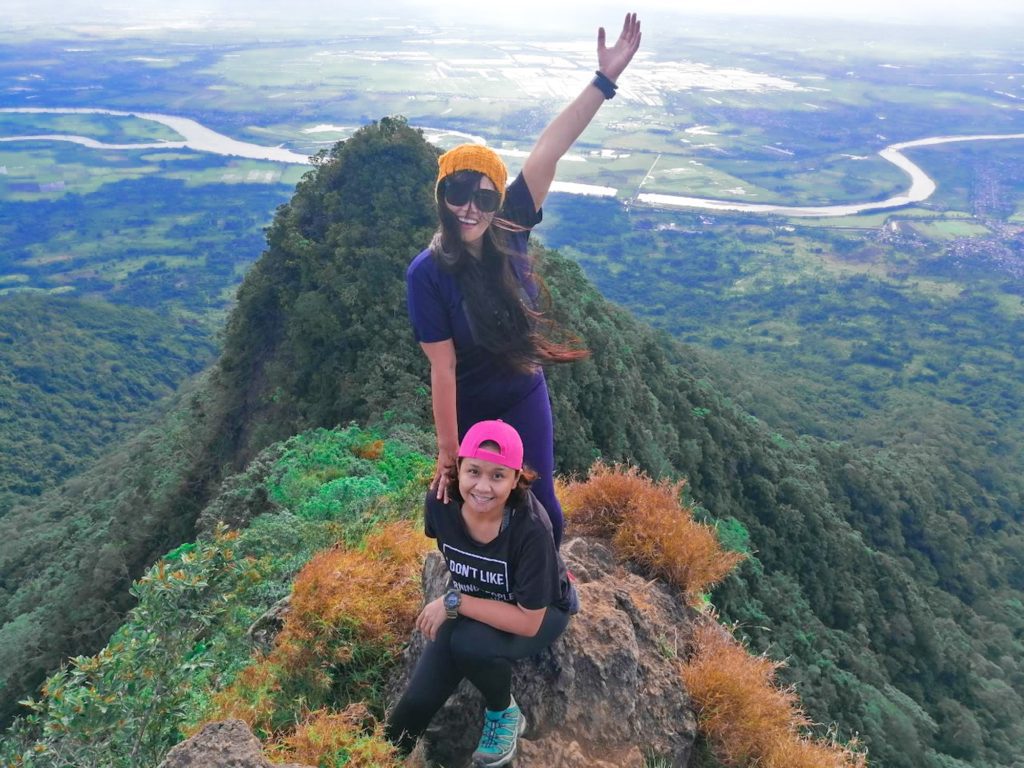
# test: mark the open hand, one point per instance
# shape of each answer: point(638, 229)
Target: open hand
point(612, 61)
point(445, 461)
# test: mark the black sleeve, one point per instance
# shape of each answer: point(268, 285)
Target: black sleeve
point(519, 207)
point(535, 571)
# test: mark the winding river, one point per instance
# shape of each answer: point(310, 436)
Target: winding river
point(194, 136)
point(201, 139)
point(921, 186)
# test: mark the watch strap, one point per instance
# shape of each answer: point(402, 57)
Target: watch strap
point(604, 84)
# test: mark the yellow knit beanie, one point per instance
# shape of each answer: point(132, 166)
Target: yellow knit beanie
point(473, 157)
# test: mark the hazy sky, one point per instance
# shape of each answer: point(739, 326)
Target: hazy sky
point(863, 9)
point(545, 13)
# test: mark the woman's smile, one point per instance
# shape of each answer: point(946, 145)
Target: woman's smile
point(473, 222)
point(485, 486)
point(468, 221)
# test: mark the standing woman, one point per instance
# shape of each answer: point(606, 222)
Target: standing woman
point(473, 294)
point(509, 599)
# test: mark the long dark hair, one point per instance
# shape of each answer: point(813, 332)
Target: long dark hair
point(501, 314)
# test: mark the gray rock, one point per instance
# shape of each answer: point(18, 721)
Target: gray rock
point(267, 627)
point(608, 693)
point(225, 744)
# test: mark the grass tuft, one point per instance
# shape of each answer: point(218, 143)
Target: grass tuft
point(648, 525)
point(746, 716)
point(351, 738)
point(351, 610)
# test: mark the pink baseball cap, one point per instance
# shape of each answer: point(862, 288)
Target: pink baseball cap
point(510, 445)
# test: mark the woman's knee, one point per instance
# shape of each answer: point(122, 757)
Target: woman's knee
point(475, 641)
point(415, 701)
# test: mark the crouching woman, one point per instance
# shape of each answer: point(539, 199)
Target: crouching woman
point(509, 596)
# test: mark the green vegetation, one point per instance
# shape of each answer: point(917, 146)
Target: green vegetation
point(109, 129)
point(174, 235)
point(68, 600)
point(75, 375)
point(145, 252)
point(186, 639)
point(886, 577)
point(135, 229)
point(854, 429)
point(878, 337)
point(861, 329)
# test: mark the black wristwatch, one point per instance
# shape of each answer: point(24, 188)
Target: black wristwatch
point(452, 601)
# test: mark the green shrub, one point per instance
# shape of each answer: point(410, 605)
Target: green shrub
point(123, 706)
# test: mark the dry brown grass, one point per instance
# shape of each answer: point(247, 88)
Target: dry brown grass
point(647, 524)
point(373, 593)
point(351, 609)
point(746, 716)
point(334, 739)
point(372, 450)
point(597, 505)
point(804, 752)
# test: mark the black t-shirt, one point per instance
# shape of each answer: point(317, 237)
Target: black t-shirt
point(521, 564)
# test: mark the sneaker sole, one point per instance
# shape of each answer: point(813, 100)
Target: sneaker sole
point(511, 755)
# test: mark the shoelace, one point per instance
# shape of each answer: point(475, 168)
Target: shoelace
point(491, 739)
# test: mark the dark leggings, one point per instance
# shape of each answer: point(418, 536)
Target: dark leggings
point(531, 418)
point(470, 649)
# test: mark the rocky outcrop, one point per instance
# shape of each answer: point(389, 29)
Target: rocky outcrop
point(607, 694)
point(267, 627)
point(226, 744)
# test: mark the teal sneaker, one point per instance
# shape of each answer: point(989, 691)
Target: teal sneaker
point(501, 734)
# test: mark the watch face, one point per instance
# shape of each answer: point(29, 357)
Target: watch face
point(451, 600)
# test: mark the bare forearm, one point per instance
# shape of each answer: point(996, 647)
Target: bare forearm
point(504, 616)
point(442, 392)
point(563, 131)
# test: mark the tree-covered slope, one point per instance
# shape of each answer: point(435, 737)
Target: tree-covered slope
point(184, 656)
point(902, 331)
point(883, 578)
point(67, 562)
point(892, 583)
point(74, 374)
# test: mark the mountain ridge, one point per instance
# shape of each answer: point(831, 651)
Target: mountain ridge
point(319, 338)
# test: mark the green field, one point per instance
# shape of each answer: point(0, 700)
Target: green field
point(764, 123)
point(109, 129)
point(872, 362)
point(173, 230)
point(771, 128)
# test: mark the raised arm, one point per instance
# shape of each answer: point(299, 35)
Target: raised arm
point(554, 142)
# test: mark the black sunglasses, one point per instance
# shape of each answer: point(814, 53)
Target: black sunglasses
point(458, 193)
